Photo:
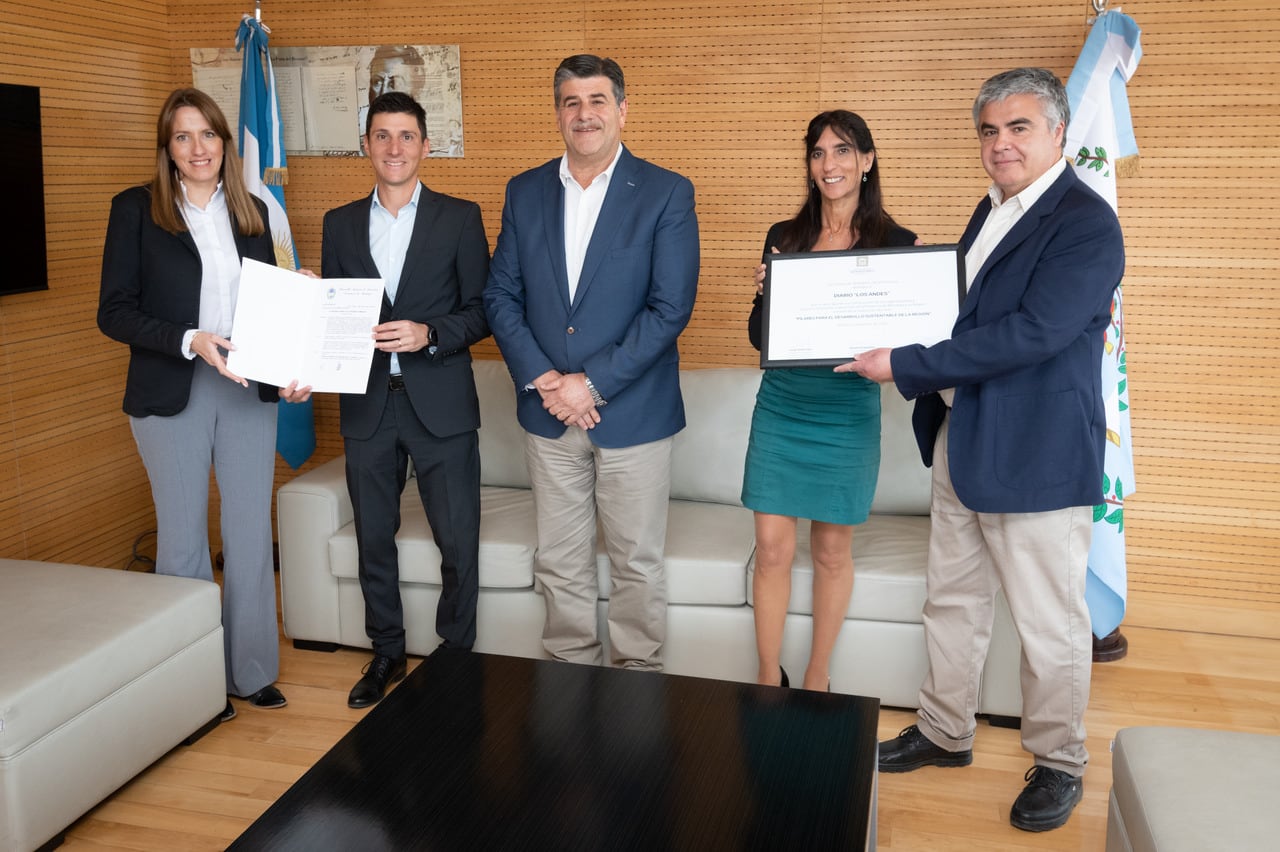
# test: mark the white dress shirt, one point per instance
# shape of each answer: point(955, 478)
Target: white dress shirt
point(210, 227)
point(1004, 214)
point(389, 236)
point(581, 210)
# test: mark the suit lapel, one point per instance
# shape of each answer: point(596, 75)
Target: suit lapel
point(423, 222)
point(1023, 228)
point(189, 241)
point(553, 222)
point(358, 234)
point(617, 204)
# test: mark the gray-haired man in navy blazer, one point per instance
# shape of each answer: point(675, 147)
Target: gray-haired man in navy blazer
point(1009, 413)
point(431, 251)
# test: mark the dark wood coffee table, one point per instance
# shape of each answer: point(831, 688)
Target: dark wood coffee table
point(483, 752)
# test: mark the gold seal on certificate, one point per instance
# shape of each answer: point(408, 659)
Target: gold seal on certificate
point(824, 308)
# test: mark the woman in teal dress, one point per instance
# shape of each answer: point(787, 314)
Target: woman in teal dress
point(814, 450)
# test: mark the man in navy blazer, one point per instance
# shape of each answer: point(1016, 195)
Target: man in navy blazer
point(431, 252)
point(592, 281)
point(1009, 414)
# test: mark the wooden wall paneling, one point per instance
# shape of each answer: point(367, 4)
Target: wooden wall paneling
point(1203, 313)
point(73, 487)
point(721, 92)
point(12, 531)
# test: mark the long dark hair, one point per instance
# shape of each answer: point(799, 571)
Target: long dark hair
point(870, 223)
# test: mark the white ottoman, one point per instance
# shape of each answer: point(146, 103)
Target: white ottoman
point(1191, 790)
point(101, 673)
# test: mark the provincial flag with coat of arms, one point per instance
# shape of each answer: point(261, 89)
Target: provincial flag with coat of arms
point(1100, 145)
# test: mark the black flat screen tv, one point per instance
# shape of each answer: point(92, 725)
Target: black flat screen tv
point(22, 240)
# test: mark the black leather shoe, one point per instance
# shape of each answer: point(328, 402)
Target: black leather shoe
point(378, 675)
point(912, 750)
point(228, 713)
point(786, 681)
point(267, 698)
point(1047, 800)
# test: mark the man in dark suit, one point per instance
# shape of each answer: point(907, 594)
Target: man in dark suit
point(593, 279)
point(1009, 413)
point(431, 251)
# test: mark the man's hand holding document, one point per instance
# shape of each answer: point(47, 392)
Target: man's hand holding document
point(289, 327)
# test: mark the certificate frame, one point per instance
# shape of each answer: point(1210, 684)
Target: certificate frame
point(823, 308)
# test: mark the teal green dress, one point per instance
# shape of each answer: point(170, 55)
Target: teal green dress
point(814, 449)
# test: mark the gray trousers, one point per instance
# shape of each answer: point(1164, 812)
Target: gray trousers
point(1040, 559)
point(577, 486)
point(227, 427)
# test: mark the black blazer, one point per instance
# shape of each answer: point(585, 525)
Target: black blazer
point(150, 297)
point(445, 268)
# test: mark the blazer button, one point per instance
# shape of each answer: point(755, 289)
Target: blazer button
point(570, 329)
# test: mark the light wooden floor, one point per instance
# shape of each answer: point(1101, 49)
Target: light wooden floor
point(203, 796)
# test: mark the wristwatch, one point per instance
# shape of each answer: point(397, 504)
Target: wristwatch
point(595, 394)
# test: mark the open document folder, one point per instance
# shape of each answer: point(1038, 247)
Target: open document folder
point(288, 326)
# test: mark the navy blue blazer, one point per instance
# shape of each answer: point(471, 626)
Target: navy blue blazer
point(1027, 426)
point(150, 296)
point(635, 296)
point(444, 271)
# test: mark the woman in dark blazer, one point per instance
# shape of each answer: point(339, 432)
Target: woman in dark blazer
point(814, 448)
point(170, 276)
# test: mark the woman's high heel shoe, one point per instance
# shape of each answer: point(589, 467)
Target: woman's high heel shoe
point(786, 684)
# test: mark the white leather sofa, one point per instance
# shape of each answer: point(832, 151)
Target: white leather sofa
point(101, 673)
point(710, 556)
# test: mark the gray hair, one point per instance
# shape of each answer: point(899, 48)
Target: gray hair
point(585, 65)
point(1041, 82)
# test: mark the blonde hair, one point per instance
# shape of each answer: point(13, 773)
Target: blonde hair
point(165, 189)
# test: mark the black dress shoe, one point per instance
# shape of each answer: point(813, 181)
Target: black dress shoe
point(912, 750)
point(267, 698)
point(1047, 800)
point(228, 713)
point(786, 682)
point(378, 675)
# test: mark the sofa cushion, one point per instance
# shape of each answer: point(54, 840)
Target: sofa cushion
point(708, 548)
point(507, 535)
point(904, 485)
point(890, 553)
point(501, 436)
point(707, 457)
point(1185, 790)
point(99, 629)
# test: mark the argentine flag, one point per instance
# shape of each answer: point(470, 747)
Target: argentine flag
point(1100, 145)
point(265, 173)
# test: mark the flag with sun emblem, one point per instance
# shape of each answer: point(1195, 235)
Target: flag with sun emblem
point(265, 173)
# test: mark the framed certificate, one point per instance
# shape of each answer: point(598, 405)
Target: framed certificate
point(823, 308)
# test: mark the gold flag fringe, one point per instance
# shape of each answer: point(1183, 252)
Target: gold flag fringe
point(279, 177)
point(1127, 166)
